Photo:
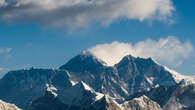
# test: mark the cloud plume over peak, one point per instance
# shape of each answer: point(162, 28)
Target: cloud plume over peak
point(169, 50)
point(82, 13)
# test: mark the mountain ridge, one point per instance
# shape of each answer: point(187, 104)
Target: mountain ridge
point(90, 79)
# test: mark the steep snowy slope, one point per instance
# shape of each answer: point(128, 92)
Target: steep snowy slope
point(105, 103)
point(8, 106)
point(141, 103)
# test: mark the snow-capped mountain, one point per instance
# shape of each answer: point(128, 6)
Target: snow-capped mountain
point(129, 76)
point(87, 83)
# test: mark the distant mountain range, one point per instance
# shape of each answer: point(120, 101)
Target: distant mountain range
point(87, 83)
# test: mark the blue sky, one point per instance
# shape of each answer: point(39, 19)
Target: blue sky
point(26, 41)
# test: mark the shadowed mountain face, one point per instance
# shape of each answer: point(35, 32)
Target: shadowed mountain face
point(23, 86)
point(86, 83)
point(47, 102)
point(129, 76)
point(140, 74)
point(83, 62)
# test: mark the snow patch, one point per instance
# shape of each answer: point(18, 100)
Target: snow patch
point(177, 76)
point(98, 96)
point(86, 86)
point(68, 74)
point(73, 82)
point(52, 89)
point(150, 80)
point(88, 53)
point(124, 90)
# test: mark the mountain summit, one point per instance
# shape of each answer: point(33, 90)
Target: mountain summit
point(83, 62)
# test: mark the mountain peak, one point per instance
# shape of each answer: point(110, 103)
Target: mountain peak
point(83, 62)
point(125, 60)
point(106, 103)
point(79, 94)
point(128, 57)
point(141, 103)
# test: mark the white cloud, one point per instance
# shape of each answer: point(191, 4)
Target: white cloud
point(111, 53)
point(8, 50)
point(169, 50)
point(166, 49)
point(5, 50)
point(81, 13)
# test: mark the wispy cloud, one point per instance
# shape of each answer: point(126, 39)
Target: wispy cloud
point(5, 51)
point(82, 13)
point(169, 50)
